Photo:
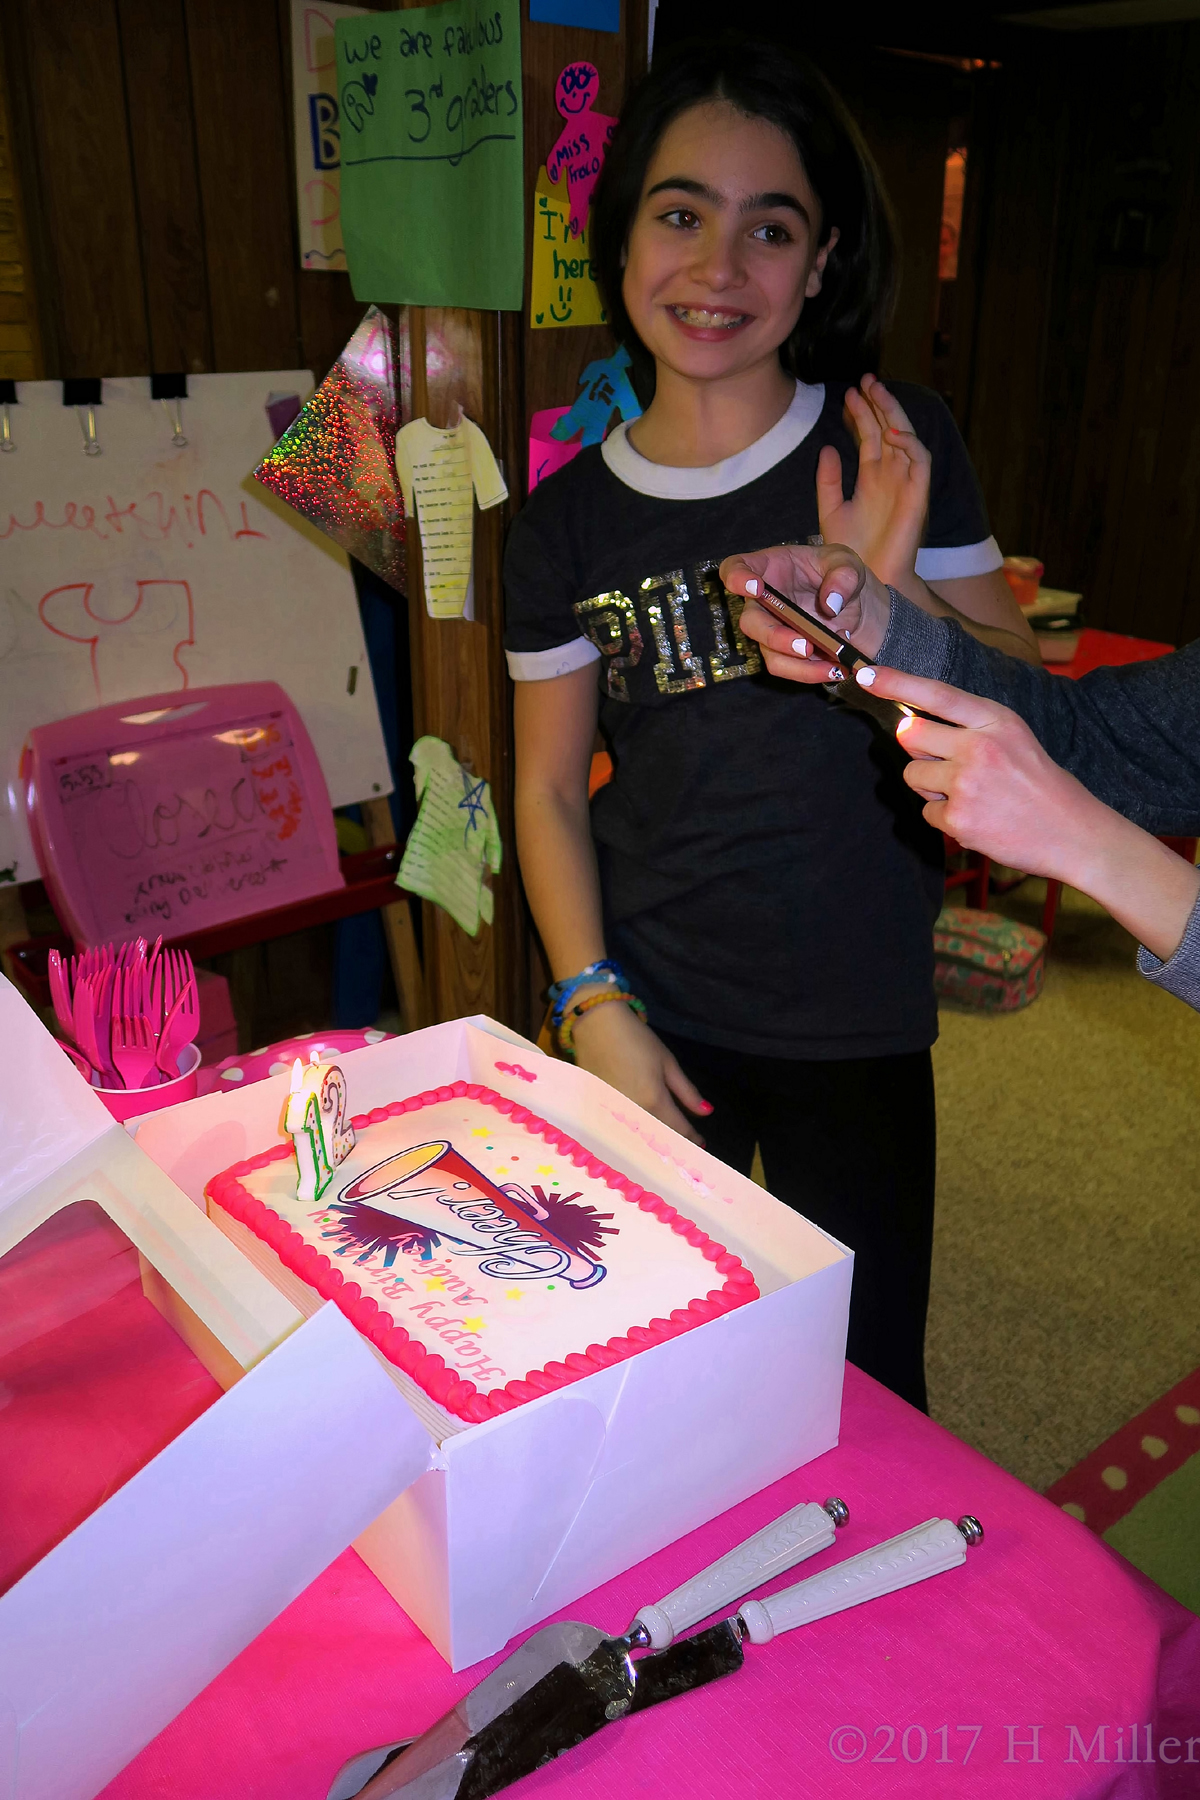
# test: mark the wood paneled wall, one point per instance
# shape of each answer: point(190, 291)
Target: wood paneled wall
point(1078, 383)
point(903, 107)
point(155, 153)
point(20, 336)
point(500, 372)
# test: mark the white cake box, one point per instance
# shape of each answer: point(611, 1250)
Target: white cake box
point(516, 1517)
point(131, 1614)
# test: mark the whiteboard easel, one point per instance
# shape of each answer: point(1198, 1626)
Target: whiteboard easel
point(155, 566)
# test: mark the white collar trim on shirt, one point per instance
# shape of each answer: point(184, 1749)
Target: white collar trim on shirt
point(663, 481)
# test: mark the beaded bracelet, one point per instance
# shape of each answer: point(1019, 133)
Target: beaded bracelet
point(566, 1030)
point(559, 993)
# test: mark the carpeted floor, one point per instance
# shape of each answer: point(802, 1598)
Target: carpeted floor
point(1066, 1281)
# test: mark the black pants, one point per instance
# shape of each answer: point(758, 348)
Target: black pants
point(852, 1146)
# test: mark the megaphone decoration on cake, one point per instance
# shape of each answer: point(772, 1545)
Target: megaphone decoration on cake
point(433, 1194)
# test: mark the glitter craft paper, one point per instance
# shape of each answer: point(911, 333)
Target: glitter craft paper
point(336, 463)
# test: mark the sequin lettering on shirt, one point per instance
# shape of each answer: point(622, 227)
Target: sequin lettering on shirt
point(610, 622)
point(725, 611)
point(672, 642)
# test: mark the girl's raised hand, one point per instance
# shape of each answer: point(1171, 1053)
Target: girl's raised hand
point(827, 580)
point(884, 520)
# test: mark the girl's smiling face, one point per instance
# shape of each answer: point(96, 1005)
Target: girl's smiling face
point(725, 245)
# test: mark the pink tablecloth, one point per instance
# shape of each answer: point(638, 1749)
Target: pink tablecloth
point(951, 1688)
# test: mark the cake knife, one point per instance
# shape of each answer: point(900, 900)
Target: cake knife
point(799, 1533)
point(570, 1704)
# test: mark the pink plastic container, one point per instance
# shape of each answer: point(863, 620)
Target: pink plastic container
point(130, 1103)
point(179, 812)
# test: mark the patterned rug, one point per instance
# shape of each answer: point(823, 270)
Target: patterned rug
point(1140, 1491)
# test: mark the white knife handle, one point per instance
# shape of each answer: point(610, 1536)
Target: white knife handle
point(781, 1545)
point(925, 1550)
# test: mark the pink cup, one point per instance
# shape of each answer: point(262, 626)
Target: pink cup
point(128, 1103)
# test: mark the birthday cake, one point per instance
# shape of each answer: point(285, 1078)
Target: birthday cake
point(482, 1251)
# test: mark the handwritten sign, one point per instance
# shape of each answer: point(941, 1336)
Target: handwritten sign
point(433, 208)
point(318, 137)
point(562, 289)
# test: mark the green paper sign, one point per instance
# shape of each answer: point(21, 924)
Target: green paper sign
point(433, 202)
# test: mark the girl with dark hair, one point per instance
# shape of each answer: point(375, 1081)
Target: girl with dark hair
point(747, 261)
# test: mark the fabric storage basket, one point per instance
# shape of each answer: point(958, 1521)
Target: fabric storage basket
point(985, 961)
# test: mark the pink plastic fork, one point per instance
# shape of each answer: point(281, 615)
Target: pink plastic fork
point(90, 1008)
point(133, 1050)
point(60, 991)
point(179, 1028)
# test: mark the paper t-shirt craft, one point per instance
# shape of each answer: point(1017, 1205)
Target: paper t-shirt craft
point(488, 1256)
point(444, 470)
point(455, 835)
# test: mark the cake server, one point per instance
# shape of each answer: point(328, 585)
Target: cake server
point(570, 1704)
point(778, 1546)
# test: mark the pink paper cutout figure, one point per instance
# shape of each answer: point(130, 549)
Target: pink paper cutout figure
point(583, 140)
point(546, 454)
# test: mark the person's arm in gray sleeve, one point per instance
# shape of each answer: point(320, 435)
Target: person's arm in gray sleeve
point(1180, 974)
point(1130, 734)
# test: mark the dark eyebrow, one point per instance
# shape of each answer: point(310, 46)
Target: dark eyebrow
point(768, 202)
point(682, 184)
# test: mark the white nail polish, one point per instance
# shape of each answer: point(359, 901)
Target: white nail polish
point(865, 678)
point(752, 587)
point(834, 602)
point(800, 646)
point(836, 674)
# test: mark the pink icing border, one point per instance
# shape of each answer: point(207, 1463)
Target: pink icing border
point(426, 1367)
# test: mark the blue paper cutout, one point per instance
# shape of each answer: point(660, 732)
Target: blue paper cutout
point(606, 387)
point(594, 15)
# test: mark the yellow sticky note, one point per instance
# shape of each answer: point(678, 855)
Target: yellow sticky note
point(562, 288)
